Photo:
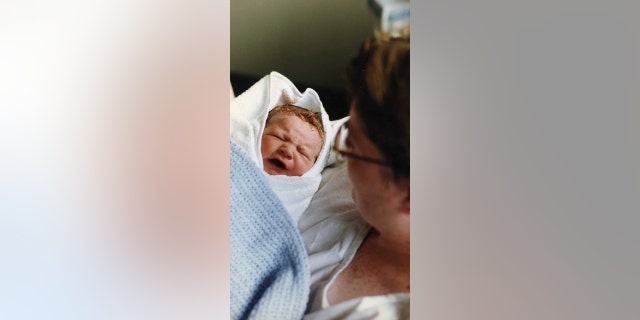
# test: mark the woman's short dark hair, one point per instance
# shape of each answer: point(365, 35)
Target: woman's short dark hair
point(378, 83)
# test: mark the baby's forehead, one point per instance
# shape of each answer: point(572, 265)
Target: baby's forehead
point(295, 122)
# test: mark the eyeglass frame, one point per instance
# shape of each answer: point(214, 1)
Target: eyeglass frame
point(341, 155)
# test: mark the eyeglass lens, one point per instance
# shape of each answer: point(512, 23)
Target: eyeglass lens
point(340, 142)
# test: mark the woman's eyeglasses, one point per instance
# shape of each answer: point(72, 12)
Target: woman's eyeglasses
point(341, 149)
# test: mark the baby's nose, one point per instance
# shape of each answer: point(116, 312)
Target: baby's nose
point(287, 150)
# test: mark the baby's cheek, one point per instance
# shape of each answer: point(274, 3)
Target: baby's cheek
point(298, 169)
point(264, 145)
point(308, 166)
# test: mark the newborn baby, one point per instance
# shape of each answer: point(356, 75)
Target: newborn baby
point(287, 134)
point(291, 141)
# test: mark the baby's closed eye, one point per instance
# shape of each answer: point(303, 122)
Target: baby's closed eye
point(304, 152)
point(277, 136)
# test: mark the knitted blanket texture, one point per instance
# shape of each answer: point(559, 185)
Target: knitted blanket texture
point(269, 267)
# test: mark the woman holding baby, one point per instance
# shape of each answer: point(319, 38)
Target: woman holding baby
point(353, 259)
point(359, 254)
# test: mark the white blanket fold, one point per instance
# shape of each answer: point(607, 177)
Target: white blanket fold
point(248, 115)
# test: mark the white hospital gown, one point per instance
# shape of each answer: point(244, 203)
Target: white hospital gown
point(332, 230)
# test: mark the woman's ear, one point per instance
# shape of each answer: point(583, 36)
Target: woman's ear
point(404, 193)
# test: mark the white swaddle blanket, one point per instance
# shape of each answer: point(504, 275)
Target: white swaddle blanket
point(248, 115)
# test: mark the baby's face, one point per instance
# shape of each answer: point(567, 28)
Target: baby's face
point(290, 146)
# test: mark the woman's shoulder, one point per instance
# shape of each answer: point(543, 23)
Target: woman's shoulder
point(332, 218)
point(331, 201)
point(331, 227)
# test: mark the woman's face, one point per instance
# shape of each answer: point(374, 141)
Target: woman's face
point(374, 190)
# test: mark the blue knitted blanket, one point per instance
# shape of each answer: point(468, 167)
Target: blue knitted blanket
point(269, 268)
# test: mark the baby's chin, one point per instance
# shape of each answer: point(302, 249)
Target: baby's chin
point(274, 170)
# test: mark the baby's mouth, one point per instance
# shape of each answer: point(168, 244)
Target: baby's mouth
point(278, 163)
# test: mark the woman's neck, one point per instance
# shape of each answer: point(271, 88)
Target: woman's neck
point(395, 248)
